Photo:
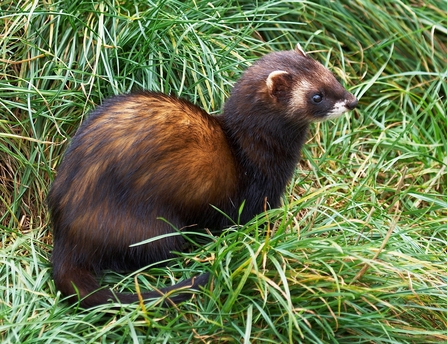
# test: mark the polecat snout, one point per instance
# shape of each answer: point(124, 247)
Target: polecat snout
point(144, 156)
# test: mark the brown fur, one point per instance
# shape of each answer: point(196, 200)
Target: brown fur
point(145, 156)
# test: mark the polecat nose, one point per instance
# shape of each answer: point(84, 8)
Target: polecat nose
point(352, 104)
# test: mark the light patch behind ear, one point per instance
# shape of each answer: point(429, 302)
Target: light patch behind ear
point(279, 83)
point(300, 50)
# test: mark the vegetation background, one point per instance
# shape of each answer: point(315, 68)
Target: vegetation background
point(357, 254)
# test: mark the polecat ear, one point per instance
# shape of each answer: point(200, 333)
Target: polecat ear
point(279, 83)
point(299, 49)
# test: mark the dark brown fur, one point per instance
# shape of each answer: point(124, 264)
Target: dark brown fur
point(144, 156)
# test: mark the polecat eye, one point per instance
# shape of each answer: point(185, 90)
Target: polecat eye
point(317, 98)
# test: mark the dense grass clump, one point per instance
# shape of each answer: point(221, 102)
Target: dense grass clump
point(357, 253)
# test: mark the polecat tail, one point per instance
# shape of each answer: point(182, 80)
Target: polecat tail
point(83, 283)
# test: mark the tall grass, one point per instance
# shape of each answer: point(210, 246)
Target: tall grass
point(356, 253)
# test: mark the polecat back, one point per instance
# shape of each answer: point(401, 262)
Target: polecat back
point(145, 156)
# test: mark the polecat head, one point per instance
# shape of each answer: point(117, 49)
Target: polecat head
point(294, 84)
point(306, 87)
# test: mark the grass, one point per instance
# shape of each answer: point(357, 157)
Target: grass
point(358, 251)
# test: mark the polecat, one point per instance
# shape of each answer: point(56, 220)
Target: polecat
point(144, 156)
